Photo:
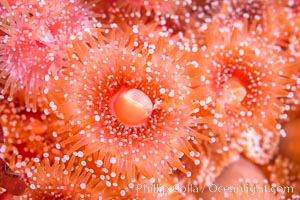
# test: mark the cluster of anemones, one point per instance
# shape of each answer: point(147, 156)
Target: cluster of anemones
point(99, 98)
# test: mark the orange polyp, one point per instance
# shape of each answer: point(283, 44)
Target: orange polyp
point(132, 107)
point(234, 92)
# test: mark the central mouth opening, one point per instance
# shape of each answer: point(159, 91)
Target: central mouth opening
point(234, 92)
point(131, 107)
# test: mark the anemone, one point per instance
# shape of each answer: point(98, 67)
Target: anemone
point(146, 75)
point(238, 82)
point(32, 47)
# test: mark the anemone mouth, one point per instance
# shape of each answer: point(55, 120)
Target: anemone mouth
point(231, 81)
point(131, 107)
point(234, 91)
point(240, 82)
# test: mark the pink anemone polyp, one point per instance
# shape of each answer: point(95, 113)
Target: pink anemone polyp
point(131, 106)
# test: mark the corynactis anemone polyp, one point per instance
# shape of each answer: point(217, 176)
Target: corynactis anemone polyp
point(152, 69)
point(29, 134)
point(62, 179)
point(24, 61)
point(241, 175)
point(235, 73)
point(33, 47)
